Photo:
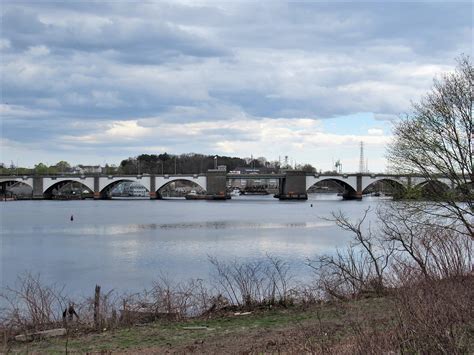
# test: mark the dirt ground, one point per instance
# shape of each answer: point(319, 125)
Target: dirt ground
point(315, 329)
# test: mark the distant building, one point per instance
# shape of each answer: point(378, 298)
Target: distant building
point(246, 170)
point(137, 190)
point(88, 169)
point(242, 183)
point(129, 188)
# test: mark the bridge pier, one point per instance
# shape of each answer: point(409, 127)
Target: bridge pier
point(293, 186)
point(97, 188)
point(357, 194)
point(217, 184)
point(38, 188)
point(152, 187)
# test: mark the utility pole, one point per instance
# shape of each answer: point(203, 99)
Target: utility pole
point(361, 159)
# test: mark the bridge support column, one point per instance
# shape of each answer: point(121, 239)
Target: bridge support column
point(355, 195)
point(152, 187)
point(96, 188)
point(216, 185)
point(38, 187)
point(359, 187)
point(293, 186)
point(408, 181)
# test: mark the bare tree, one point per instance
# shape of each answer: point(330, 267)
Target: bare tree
point(253, 283)
point(436, 141)
point(32, 306)
point(421, 247)
point(358, 269)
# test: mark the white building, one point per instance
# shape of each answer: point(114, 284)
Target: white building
point(137, 190)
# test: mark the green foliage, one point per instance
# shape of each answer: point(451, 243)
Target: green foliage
point(41, 168)
point(410, 193)
point(190, 163)
point(308, 168)
point(62, 166)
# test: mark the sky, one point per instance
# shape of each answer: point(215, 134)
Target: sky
point(95, 82)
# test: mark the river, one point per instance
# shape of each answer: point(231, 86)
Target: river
point(126, 244)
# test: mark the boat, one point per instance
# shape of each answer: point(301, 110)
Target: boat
point(235, 192)
point(193, 195)
point(254, 191)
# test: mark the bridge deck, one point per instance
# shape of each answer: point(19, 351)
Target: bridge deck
point(255, 176)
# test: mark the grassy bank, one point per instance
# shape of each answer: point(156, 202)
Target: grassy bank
point(317, 328)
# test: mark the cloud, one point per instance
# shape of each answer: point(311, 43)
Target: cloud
point(228, 76)
point(227, 136)
point(385, 117)
point(375, 132)
point(37, 51)
point(18, 112)
point(4, 44)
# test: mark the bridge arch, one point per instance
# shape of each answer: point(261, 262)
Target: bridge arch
point(199, 180)
point(181, 179)
point(55, 185)
point(345, 185)
point(50, 182)
point(396, 184)
point(429, 188)
point(106, 190)
point(13, 181)
point(15, 187)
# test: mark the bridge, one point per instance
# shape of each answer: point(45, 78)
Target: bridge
point(293, 184)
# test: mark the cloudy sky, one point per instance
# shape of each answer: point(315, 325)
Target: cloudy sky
point(95, 81)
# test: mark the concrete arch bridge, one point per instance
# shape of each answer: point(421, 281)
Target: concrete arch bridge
point(100, 185)
point(293, 185)
point(355, 185)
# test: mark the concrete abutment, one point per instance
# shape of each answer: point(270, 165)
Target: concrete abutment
point(354, 194)
point(216, 184)
point(293, 186)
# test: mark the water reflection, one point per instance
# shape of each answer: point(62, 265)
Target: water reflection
point(137, 228)
point(126, 244)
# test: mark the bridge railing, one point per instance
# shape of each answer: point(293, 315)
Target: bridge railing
point(65, 175)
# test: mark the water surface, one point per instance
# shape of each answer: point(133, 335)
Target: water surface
point(125, 245)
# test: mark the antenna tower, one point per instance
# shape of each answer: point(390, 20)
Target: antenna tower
point(362, 160)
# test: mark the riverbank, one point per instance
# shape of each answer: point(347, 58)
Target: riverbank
point(309, 328)
point(427, 317)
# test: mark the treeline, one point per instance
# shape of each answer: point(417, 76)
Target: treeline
point(190, 163)
point(40, 168)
